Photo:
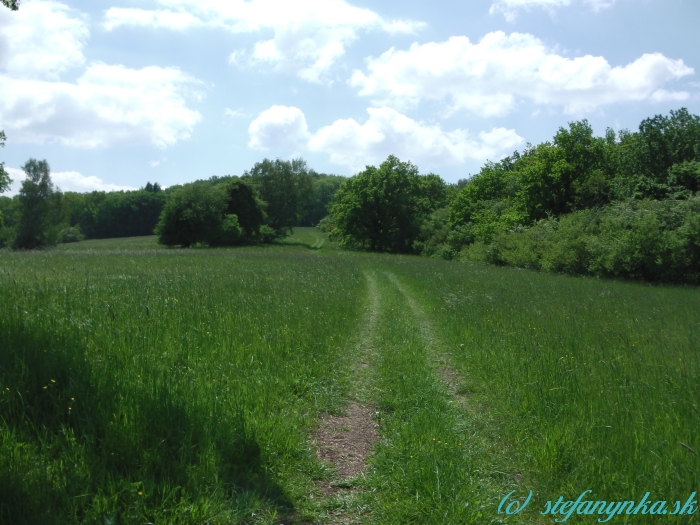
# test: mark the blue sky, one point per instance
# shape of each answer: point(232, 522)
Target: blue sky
point(117, 93)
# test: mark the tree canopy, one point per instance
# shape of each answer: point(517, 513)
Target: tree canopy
point(34, 228)
point(381, 209)
point(224, 214)
point(286, 189)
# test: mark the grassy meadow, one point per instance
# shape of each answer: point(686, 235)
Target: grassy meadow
point(166, 386)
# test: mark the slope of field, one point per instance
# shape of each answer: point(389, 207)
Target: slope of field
point(147, 385)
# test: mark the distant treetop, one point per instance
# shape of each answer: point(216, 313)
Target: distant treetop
point(12, 4)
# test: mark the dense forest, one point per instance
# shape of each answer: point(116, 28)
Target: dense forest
point(622, 205)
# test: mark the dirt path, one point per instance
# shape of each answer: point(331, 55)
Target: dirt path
point(347, 440)
point(448, 374)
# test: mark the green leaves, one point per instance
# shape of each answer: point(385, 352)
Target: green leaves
point(223, 214)
point(381, 209)
point(35, 202)
point(286, 188)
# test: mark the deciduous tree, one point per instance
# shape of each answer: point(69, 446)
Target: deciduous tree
point(286, 188)
point(34, 229)
point(381, 209)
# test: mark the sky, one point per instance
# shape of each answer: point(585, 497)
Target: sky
point(114, 94)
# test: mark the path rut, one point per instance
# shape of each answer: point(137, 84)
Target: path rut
point(346, 441)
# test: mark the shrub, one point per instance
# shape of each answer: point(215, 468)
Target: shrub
point(268, 234)
point(70, 234)
point(645, 240)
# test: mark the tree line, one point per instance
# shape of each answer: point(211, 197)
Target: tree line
point(260, 206)
point(622, 205)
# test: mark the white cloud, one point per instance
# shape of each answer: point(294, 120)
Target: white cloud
point(490, 77)
point(309, 35)
point(160, 18)
point(386, 131)
point(107, 105)
point(67, 181)
point(41, 40)
point(235, 113)
point(278, 127)
point(75, 181)
point(511, 8)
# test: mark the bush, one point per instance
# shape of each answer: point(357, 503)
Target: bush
point(70, 234)
point(193, 214)
point(326, 224)
point(230, 233)
point(644, 240)
point(268, 234)
point(381, 209)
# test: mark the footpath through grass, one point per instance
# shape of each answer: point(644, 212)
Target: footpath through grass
point(145, 385)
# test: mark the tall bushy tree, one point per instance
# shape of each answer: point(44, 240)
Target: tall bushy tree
point(192, 215)
point(286, 187)
point(224, 214)
point(34, 229)
point(381, 209)
point(648, 156)
point(242, 201)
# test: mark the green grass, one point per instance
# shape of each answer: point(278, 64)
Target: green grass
point(172, 386)
point(594, 384)
point(150, 385)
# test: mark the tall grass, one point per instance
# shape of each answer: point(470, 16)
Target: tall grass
point(596, 383)
point(423, 470)
point(147, 385)
point(166, 386)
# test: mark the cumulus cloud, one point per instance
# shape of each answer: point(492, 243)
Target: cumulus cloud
point(491, 76)
point(107, 105)
point(278, 127)
point(41, 40)
point(67, 181)
point(511, 8)
point(309, 35)
point(386, 131)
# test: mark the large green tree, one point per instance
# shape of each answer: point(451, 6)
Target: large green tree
point(286, 187)
point(35, 199)
point(648, 156)
point(224, 214)
point(193, 214)
point(381, 209)
point(12, 4)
